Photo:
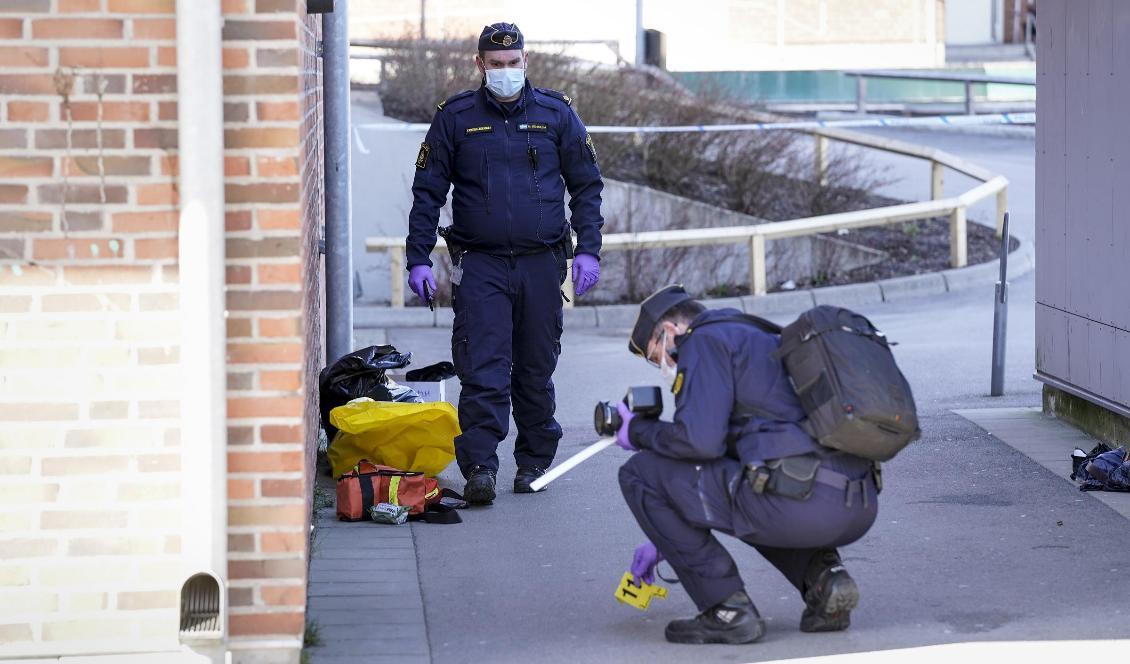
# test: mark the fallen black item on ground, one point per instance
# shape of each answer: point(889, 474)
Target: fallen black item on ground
point(1102, 469)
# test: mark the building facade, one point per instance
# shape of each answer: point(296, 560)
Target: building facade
point(714, 35)
point(93, 467)
point(1082, 227)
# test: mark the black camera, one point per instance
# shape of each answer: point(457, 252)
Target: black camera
point(643, 401)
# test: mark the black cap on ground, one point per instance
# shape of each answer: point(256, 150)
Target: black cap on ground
point(501, 37)
point(651, 311)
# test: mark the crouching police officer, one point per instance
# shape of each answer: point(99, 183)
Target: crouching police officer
point(736, 460)
point(510, 150)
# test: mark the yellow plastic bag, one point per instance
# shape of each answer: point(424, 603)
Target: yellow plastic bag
point(417, 437)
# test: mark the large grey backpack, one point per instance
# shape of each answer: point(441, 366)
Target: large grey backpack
point(855, 398)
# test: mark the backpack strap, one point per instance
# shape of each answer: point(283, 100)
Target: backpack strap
point(365, 481)
point(765, 325)
point(743, 412)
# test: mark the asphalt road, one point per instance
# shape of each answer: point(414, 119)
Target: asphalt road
point(974, 541)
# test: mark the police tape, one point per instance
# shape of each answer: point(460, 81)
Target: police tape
point(935, 121)
point(851, 123)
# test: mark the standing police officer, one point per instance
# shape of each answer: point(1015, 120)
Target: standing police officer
point(736, 460)
point(510, 150)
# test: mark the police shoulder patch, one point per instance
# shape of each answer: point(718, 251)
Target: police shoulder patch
point(677, 386)
point(461, 95)
point(591, 147)
point(422, 157)
point(556, 95)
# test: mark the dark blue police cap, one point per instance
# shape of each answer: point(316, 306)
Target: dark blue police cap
point(651, 312)
point(501, 37)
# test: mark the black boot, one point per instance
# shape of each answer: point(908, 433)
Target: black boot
point(829, 596)
point(524, 476)
point(479, 489)
point(734, 621)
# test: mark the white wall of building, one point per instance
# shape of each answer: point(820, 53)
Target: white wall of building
point(706, 35)
point(971, 21)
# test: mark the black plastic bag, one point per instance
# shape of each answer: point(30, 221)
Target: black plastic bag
point(360, 374)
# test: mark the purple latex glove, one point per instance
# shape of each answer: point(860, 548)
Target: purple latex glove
point(622, 433)
point(586, 272)
point(417, 276)
point(644, 561)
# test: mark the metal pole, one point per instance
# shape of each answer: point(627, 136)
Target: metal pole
point(969, 97)
point(1000, 318)
point(339, 234)
point(639, 33)
point(860, 94)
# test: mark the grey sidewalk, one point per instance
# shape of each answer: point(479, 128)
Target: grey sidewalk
point(1045, 440)
point(364, 592)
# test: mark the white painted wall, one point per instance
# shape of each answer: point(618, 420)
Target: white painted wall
point(706, 35)
point(969, 21)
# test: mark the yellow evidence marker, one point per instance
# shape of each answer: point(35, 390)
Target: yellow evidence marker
point(637, 596)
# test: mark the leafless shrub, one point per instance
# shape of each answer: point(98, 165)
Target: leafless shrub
point(769, 174)
point(419, 75)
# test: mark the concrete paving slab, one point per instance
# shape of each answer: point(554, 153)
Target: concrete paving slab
point(362, 565)
point(393, 652)
point(1046, 440)
point(316, 603)
point(393, 583)
point(393, 631)
point(361, 573)
point(386, 615)
point(363, 553)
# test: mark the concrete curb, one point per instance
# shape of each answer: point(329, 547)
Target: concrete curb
point(622, 316)
point(1027, 132)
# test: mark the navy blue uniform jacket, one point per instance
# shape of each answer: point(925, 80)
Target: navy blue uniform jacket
point(719, 365)
point(482, 148)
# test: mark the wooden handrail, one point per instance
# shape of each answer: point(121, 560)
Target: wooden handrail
point(951, 76)
point(955, 208)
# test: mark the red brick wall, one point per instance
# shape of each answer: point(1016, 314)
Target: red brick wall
point(89, 321)
point(274, 203)
point(89, 327)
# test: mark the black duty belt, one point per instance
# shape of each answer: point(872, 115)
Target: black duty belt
point(794, 477)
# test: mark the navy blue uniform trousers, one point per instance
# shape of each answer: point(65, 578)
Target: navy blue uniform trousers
point(505, 342)
point(678, 503)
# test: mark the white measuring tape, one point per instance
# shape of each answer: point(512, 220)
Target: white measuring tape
point(570, 463)
point(932, 121)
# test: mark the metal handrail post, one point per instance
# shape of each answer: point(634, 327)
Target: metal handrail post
point(1000, 318)
point(958, 245)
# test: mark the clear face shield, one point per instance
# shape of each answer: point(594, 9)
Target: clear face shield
point(666, 369)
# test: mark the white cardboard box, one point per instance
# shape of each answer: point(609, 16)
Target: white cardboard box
point(430, 391)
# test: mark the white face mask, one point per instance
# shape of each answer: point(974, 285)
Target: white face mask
point(666, 370)
point(505, 83)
